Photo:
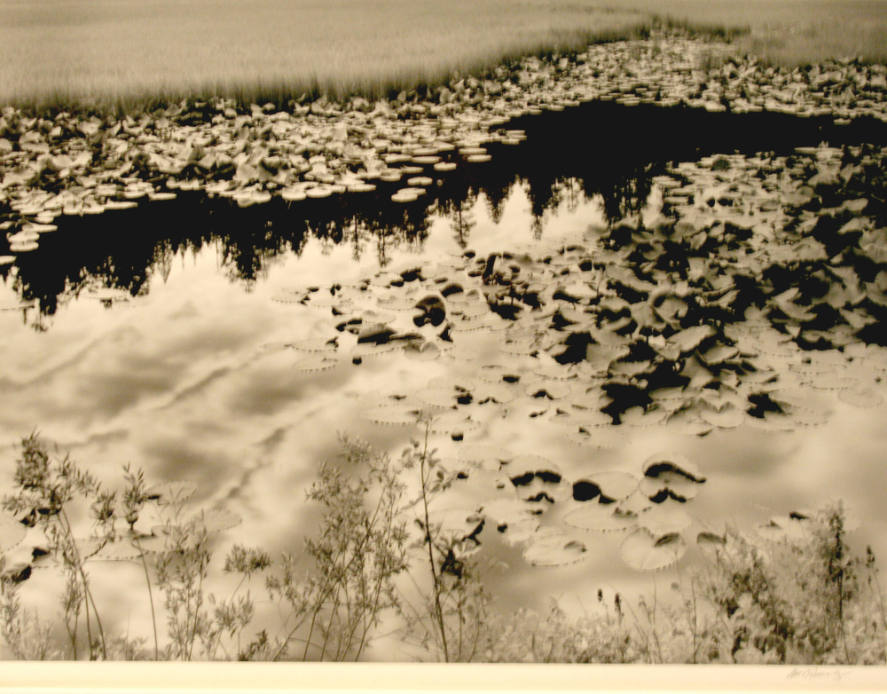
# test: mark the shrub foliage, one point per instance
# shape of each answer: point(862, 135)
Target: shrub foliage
point(382, 559)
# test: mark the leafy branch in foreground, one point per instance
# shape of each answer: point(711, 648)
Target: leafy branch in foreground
point(796, 598)
point(800, 595)
point(451, 614)
point(361, 548)
point(45, 487)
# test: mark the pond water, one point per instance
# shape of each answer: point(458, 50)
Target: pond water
point(628, 286)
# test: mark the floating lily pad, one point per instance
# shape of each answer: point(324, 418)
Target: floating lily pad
point(423, 350)
point(710, 539)
point(785, 527)
point(132, 547)
point(161, 196)
point(661, 519)
point(319, 192)
point(615, 485)
point(726, 418)
point(444, 398)
point(397, 302)
point(37, 228)
point(393, 416)
point(406, 195)
point(550, 547)
point(667, 478)
point(601, 517)
point(293, 194)
point(490, 457)
point(663, 463)
point(644, 551)
point(316, 363)
point(420, 181)
point(452, 422)
point(508, 511)
point(529, 462)
point(690, 338)
point(120, 204)
point(457, 522)
point(360, 187)
point(316, 344)
point(863, 398)
point(549, 390)
point(24, 246)
point(500, 393)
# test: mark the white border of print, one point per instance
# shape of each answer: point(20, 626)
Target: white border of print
point(421, 677)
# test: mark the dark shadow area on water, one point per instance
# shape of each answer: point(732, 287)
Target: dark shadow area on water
point(599, 148)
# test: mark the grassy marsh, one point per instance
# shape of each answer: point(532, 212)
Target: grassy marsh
point(785, 32)
point(123, 52)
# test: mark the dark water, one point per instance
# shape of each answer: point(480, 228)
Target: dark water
point(598, 149)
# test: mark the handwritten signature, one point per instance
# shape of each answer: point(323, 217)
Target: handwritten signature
point(817, 673)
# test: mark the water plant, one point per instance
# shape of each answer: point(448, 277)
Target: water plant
point(447, 618)
point(792, 591)
point(45, 489)
point(333, 607)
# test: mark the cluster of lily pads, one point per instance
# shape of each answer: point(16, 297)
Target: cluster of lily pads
point(76, 164)
point(744, 266)
point(529, 503)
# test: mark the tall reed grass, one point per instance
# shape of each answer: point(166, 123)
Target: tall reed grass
point(783, 32)
point(134, 53)
point(130, 52)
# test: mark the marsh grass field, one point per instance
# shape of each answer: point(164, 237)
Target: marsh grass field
point(126, 53)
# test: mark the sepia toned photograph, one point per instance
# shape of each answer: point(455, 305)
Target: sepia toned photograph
point(470, 331)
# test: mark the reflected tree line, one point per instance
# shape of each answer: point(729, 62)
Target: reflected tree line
point(600, 149)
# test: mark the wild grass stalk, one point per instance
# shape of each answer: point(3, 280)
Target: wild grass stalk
point(794, 598)
point(428, 540)
point(44, 488)
point(134, 498)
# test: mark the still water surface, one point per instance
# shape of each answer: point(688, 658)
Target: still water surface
point(187, 338)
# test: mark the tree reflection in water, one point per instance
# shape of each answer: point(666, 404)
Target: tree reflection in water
point(600, 150)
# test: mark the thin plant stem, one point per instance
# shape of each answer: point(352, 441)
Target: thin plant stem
point(87, 591)
point(150, 596)
point(434, 576)
point(380, 579)
point(434, 573)
point(197, 604)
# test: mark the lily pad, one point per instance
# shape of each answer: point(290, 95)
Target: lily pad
point(392, 415)
point(316, 363)
point(550, 547)
point(453, 422)
point(615, 485)
point(661, 519)
point(491, 457)
point(601, 517)
point(690, 338)
point(661, 463)
point(864, 398)
point(670, 475)
point(644, 551)
point(726, 418)
point(710, 539)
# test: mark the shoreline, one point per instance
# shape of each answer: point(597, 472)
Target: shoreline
point(76, 165)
